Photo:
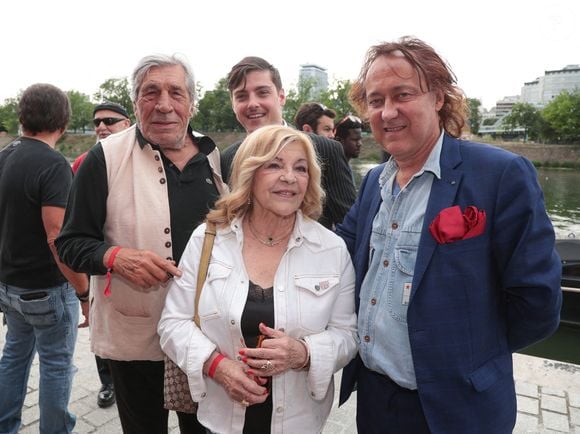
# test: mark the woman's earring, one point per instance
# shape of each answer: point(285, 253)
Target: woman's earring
point(249, 200)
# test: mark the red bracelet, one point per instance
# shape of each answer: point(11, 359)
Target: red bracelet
point(110, 270)
point(214, 365)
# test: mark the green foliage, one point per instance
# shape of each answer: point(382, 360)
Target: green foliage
point(337, 99)
point(489, 121)
point(214, 111)
point(562, 115)
point(116, 90)
point(526, 116)
point(9, 115)
point(296, 97)
point(474, 116)
point(82, 111)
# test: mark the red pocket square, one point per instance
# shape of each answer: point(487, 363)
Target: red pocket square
point(450, 225)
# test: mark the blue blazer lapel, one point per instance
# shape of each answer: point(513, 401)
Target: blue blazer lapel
point(443, 194)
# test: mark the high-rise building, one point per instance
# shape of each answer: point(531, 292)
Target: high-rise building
point(315, 74)
point(543, 89)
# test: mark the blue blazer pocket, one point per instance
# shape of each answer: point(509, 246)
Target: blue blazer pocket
point(488, 374)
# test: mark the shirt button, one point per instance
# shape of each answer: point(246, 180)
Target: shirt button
point(168, 244)
point(385, 263)
point(162, 180)
point(394, 226)
point(233, 322)
point(239, 358)
point(279, 409)
point(373, 301)
point(203, 395)
point(367, 338)
point(166, 230)
point(160, 169)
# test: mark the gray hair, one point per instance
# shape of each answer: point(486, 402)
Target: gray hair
point(155, 60)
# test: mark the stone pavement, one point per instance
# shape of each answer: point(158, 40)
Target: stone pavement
point(548, 394)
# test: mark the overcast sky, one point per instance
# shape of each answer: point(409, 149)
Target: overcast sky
point(493, 46)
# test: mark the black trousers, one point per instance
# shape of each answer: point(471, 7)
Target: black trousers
point(384, 407)
point(104, 371)
point(139, 392)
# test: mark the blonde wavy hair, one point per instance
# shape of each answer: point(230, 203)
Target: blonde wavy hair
point(259, 147)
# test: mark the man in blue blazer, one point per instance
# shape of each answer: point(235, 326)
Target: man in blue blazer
point(454, 256)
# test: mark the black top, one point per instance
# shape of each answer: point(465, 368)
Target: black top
point(336, 177)
point(259, 308)
point(192, 192)
point(32, 176)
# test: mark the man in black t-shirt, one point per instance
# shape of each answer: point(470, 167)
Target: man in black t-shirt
point(40, 306)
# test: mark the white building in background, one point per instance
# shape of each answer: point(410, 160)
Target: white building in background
point(544, 89)
point(316, 74)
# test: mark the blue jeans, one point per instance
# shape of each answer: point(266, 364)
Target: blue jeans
point(45, 321)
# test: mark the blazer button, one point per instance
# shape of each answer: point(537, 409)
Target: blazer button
point(385, 263)
point(167, 244)
point(162, 180)
point(166, 230)
point(169, 258)
point(157, 158)
point(367, 338)
point(394, 226)
point(373, 301)
point(160, 169)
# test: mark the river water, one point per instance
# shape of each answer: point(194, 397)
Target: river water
point(562, 196)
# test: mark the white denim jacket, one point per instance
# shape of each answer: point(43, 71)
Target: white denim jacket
point(313, 299)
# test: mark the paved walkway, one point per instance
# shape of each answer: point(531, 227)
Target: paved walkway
point(548, 398)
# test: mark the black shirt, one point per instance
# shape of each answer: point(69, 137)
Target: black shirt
point(192, 192)
point(32, 176)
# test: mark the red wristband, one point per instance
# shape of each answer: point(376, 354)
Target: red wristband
point(110, 269)
point(214, 365)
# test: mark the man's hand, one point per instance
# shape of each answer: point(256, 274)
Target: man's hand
point(142, 267)
point(85, 311)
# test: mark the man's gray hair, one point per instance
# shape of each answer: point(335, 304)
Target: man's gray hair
point(148, 62)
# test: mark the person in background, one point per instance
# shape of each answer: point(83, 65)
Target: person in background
point(313, 117)
point(274, 273)
point(348, 131)
point(257, 100)
point(454, 256)
point(135, 201)
point(39, 295)
point(108, 118)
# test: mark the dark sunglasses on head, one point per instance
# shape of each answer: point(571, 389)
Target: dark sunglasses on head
point(351, 119)
point(107, 121)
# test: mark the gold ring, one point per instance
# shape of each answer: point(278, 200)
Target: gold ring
point(244, 403)
point(269, 365)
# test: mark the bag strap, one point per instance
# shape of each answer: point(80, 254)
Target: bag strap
point(203, 265)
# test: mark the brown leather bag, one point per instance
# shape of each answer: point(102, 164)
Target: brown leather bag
point(176, 395)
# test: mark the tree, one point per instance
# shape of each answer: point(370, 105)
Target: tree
point(9, 115)
point(337, 99)
point(296, 97)
point(474, 116)
point(82, 111)
point(214, 111)
point(116, 90)
point(563, 116)
point(526, 116)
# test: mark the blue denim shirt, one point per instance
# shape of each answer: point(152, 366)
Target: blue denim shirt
point(386, 288)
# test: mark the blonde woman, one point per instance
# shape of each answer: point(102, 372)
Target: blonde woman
point(275, 273)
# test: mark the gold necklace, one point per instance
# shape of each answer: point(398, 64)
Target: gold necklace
point(269, 241)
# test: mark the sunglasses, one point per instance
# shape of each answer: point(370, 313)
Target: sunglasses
point(107, 121)
point(350, 118)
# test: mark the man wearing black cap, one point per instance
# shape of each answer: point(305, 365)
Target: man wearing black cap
point(109, 118)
